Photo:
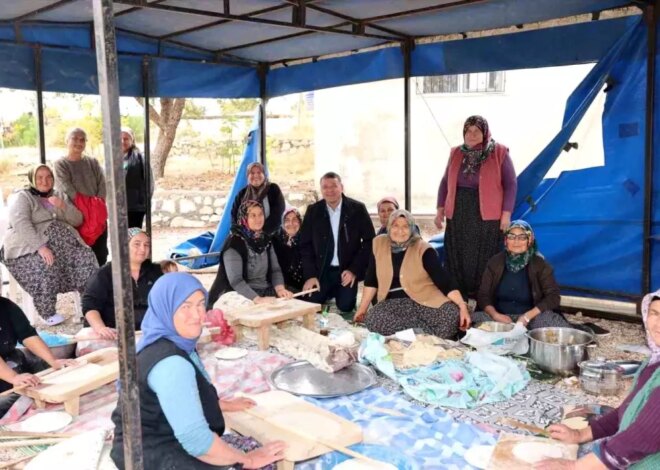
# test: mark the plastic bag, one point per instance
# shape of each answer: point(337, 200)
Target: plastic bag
point(500, 343)
point(216, 318)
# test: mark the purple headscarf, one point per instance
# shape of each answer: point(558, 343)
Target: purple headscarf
point(166, 296)
point(646, 305)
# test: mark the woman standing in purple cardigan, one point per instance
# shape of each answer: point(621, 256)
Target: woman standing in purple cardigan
point(629, 435)
point(476, 194)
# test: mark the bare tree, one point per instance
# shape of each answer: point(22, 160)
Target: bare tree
point(167, 119)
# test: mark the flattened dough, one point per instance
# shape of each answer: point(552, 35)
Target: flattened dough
point(79, 375)
point(576, 423)
point(532, 452)
point(357, 464)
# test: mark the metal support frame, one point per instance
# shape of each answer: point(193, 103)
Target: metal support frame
point(263, 74)
point(147, 140)
point(39, 85)
point(406, 48)
point(651, 16)
point(108, 76)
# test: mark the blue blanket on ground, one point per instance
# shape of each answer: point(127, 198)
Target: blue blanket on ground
point(423, 438)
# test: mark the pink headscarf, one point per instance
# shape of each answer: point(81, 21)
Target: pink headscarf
point(655, 348)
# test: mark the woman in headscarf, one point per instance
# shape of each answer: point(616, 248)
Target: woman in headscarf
point(412, 288)
point(385, 207)
point(287, 247)
point(42, 249)
point(476, 194)
point(139, 184)
point(249, 264)
point(518, 284)
point(264, 192)
point(98, 302)
point(181, 414)
point(629, 436)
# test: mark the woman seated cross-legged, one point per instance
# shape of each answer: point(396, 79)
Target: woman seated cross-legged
point(42, 249)
point(518, 284)
point(249, 264)
point(98, 302)
point(412, 288)
point(182, 421)
point(287, 247)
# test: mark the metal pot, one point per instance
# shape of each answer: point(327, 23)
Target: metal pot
point(559, 350)
point(600, 377)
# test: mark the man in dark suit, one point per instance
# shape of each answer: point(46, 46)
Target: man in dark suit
point(335, 243)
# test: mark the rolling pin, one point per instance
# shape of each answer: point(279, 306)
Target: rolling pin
point(45, 375)
point(514, 423)
point(323, 442)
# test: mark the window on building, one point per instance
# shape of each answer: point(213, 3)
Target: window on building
point(485, 82)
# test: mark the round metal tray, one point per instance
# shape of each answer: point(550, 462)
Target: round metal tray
point(302, 378)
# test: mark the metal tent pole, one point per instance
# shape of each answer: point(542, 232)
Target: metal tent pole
point(651, 15)
point(40, 104)
point(147, 140)
point(263, 71)
point(407, 168)
point(106, 60)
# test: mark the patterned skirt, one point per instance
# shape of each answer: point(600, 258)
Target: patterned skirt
point(74, 264)
point(392, 315)
point(470, 242)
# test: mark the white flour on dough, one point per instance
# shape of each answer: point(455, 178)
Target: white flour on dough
point(357, 464)
point(532, 452)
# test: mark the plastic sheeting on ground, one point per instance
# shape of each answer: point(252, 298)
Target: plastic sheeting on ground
point(211, 242)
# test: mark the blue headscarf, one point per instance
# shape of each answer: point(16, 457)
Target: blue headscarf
point(166, 296)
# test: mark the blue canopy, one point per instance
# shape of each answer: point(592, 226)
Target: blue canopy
point(197, 49)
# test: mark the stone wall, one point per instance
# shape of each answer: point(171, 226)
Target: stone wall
point(179, 208)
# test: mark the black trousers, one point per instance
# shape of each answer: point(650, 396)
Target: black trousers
point(135, 218)
point(331, 287)
point(100, 248)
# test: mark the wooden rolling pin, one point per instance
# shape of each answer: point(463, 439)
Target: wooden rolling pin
point(514, 423)
point(46, 374)
point(31, 442)
point(34, 435)
point(342, 449)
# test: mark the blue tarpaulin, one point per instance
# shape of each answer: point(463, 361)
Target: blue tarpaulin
point(211, 242)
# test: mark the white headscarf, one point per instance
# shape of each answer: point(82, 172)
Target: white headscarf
point(655, 348)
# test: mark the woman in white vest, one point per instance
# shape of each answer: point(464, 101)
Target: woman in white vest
point(412, 288)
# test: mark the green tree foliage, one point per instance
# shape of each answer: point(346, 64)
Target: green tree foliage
point(22, 132)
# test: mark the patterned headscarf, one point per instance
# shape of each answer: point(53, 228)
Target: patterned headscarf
point(291, 241)
point(132, 231)
point(517, 261)
point(256, 193)
point(473, 157)
point(646, 305)
point(414, 234)
point(257, 241)
point(32, 178)
point(165, 297)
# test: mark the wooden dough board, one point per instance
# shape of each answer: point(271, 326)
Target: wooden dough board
point(281, 409)
point(102, 367)
point(503, 457)
point(262, 316)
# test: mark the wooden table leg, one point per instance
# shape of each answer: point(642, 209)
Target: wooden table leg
point(40, 404)
point(309, 321)
point(72, 406)
point(264, 337)
point(285, 465)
